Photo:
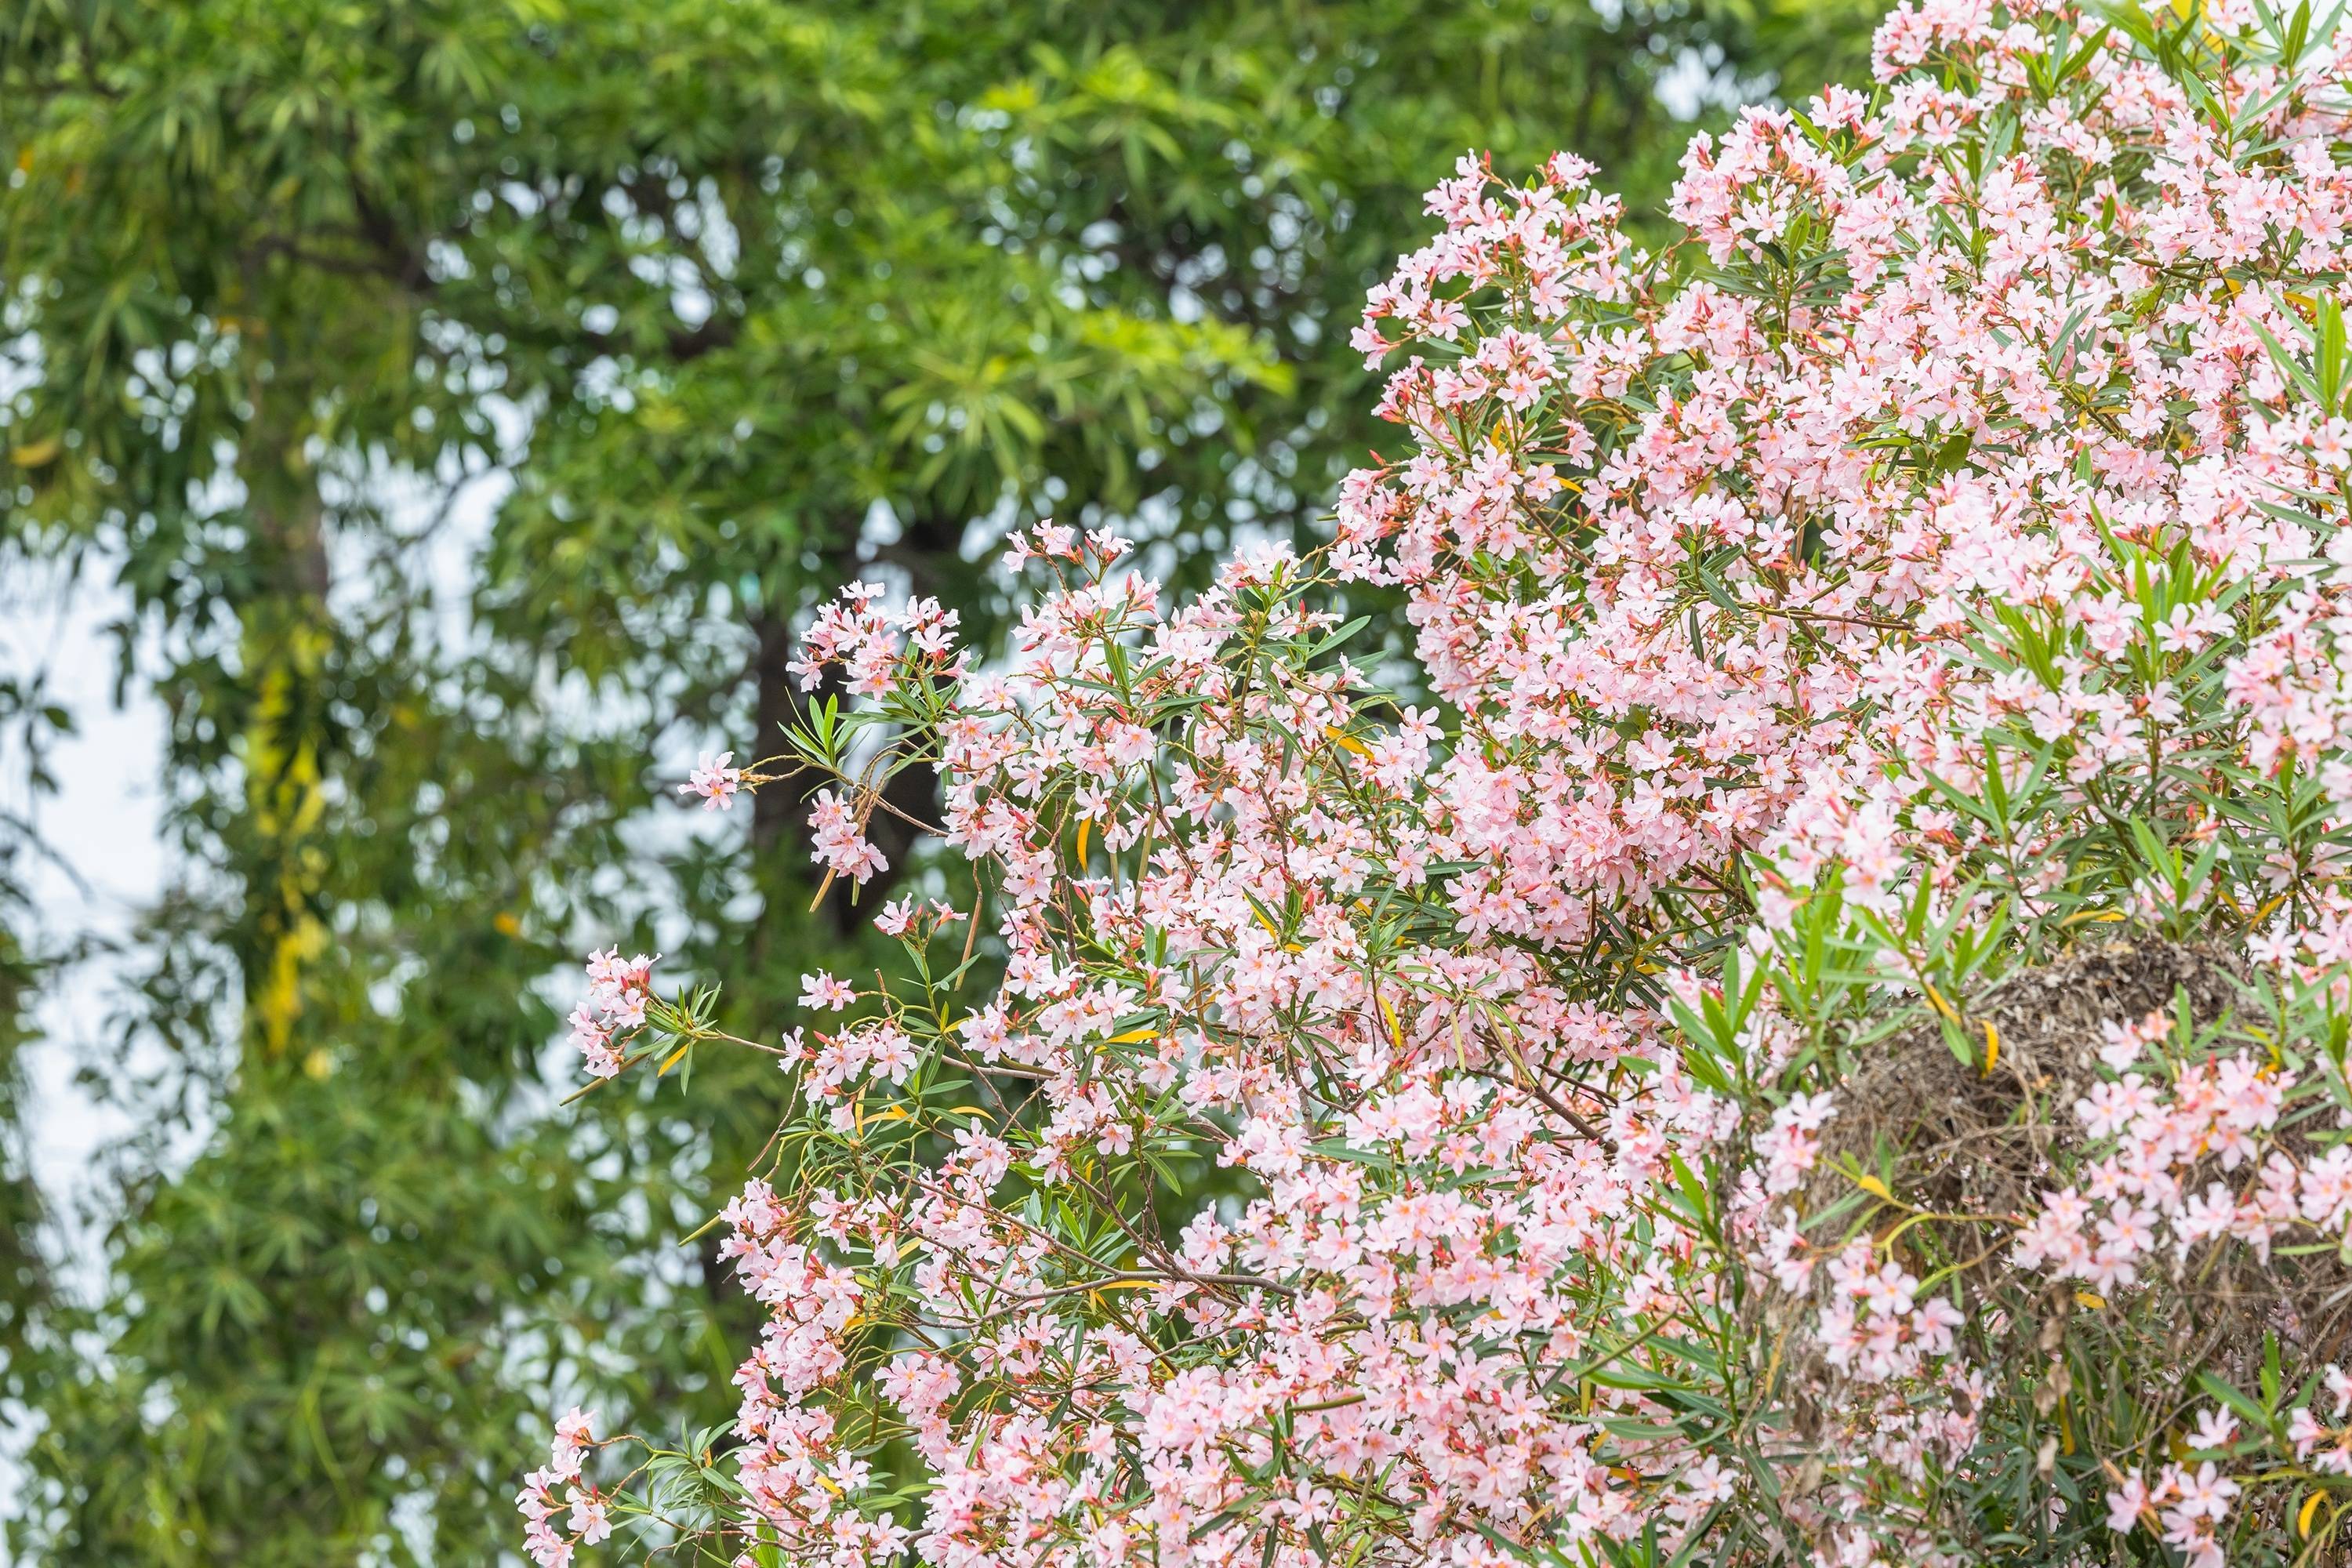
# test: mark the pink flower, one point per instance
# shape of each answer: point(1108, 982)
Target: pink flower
point(822, 990)
point(2127, 1505)
point(714, 780)
point(2216, 1429)
point(587, 1521)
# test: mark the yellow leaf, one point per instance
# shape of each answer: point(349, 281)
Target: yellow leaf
point(1133, 1038)
point(2302, 1516)
point(1992, 1047)
point(966, 1110)
point(2089, 1300)
point(2081, 915)
point(506, 924)
point(1396, 1030)
point(1875, 1187)
point(1265, 922)
point(1095, 1292)
point(34, 454)
point(676, 1056)
point(896, 1114)
point(1936, 997)
point(1346, 742)
point(1085, 824)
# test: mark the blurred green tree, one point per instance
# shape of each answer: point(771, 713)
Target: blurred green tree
point(721, 304)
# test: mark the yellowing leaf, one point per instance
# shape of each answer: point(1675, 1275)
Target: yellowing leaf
point(506, 924)
point(35, 454)
point(2302, 1516)
point(1875, 1187)
point(1992, 1047)
point(1346, 742)
point(966, 1110)
point(1095, 1292)
point(1085, 825)
point(1396, 1030)
point(1941, 1005)
point(1133, 1038)
point(676, 1056)
point(2089, 1300)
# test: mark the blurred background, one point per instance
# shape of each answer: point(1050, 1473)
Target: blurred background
point(423, 426)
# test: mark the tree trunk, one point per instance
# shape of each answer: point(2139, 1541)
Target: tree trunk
point(286, 641)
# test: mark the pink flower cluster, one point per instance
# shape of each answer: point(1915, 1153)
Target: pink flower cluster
point(2159, 1132)
point(873, 645)
point(1875, 1325)
point(614, 1008)
point(583, 1520)
point(838, 838)
point(2187, 1506)
point(2325, 1445)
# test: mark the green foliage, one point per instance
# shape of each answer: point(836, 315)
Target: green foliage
point(739, 299)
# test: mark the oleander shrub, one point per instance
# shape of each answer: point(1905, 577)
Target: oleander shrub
point(1805, 1023)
